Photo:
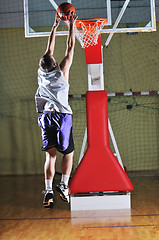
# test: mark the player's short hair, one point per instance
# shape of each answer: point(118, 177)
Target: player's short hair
point(46, 63)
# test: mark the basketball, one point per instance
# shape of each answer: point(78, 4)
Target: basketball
point(64, 9)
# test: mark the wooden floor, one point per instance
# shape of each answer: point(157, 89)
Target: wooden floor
point(22, 215)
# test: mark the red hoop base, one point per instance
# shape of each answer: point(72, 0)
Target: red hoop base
point(99, 170)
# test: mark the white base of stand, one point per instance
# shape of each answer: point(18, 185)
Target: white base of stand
point(97, 202)
point(114, 216)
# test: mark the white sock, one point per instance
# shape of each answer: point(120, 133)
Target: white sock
point(65, 178)
point(48, 184)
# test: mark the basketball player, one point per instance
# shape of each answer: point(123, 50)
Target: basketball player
point(55, 118)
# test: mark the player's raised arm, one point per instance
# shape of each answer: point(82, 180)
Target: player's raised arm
point(51, 40)
point(67, 61)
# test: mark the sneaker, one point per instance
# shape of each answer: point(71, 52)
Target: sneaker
point(63, 189)
point(48, 199)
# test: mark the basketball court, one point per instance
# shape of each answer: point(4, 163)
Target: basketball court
point(114, 185)
point(23, 217)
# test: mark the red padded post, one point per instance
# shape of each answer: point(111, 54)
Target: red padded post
point(97, 118)
point(93, 53)
point(99, 170)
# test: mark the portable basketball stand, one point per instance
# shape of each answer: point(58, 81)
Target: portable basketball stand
point(99, 182)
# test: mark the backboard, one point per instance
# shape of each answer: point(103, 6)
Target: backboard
point(122, 15)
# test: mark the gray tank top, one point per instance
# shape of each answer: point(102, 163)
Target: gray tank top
point(52, 91)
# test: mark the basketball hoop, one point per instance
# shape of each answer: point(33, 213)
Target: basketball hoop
point(89, 30)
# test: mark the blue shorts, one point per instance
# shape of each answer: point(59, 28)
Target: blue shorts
point(56, 131)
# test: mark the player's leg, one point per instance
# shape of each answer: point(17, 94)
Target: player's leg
point(67, 162)
point(49, 167)
point(66, 168)
point(67, 141)
point(49, 172)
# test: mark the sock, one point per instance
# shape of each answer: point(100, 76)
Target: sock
point(48, 184)
point(65, 178)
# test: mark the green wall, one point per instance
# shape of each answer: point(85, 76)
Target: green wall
point(130, 62)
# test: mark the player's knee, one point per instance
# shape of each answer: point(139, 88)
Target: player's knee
point(51, 152)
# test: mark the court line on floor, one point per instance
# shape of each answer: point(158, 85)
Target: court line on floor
point(124, 226)
point(63, 218)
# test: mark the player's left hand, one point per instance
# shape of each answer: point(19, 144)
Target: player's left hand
point(57, 20)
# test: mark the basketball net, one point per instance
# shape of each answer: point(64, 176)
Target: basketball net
point(89, 30)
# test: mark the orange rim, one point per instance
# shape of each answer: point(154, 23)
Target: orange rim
point(91, 21)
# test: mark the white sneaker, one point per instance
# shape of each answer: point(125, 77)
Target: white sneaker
point(48, 201)
point(63, 189)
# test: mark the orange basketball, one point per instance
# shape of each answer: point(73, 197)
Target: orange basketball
point(64, 9)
